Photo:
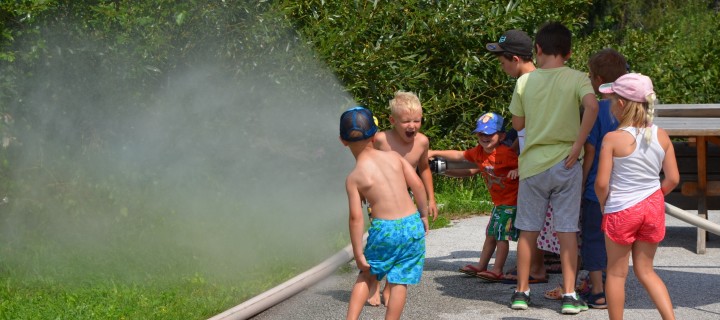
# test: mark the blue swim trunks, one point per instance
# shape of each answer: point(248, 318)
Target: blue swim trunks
point(396, 248)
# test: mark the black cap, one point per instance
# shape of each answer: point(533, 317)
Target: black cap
point(516, 42)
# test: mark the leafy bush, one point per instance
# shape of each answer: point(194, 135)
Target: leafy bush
point(433, 48)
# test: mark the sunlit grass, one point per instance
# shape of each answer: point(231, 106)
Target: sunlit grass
point(31, 288)
point(459, 198)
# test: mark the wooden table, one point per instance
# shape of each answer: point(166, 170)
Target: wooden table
point(701, 122)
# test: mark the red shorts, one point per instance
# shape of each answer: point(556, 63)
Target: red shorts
point(644, 221)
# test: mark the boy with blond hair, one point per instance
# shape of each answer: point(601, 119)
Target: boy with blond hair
point(405, 139)
point(382, 179)
point(546, 102)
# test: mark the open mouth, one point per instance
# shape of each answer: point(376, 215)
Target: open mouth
point(410, 134)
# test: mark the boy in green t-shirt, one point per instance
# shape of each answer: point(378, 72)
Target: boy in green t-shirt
point(546, 102)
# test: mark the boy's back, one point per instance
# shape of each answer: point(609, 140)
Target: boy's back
point(549, 100)
point(546, 102)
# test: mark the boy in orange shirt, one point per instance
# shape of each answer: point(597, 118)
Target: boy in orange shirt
point(498, 165)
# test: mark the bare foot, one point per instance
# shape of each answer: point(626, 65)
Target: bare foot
point(374, 299)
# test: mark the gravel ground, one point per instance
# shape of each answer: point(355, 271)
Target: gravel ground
point(693, 281)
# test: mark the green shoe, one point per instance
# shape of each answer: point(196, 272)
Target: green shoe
point(520, 301)
point(573, 305)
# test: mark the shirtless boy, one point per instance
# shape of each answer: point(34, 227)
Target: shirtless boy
point(382, 179)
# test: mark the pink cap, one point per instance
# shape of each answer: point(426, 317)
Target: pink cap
point(631, 86)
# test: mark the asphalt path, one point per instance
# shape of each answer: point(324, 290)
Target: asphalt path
point(693, 281)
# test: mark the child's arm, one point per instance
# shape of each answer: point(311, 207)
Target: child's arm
point(605, 163)
point(590, 104)
point(452, 155)
point(518, 123)
point(416, 186)
point(461, 173)
point(357, 223)
point(426, 177)
point(669, 164)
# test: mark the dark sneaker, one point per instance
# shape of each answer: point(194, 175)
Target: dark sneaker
point(520, 301)
point(572, 305)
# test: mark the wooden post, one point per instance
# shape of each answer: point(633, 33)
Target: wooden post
point(702, 193)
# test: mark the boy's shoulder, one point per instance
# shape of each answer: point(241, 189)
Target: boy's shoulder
point(422, 139)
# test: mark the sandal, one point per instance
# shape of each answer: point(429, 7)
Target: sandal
point(582, 289)
point(511, 278)
point(471, 270)
point(554, 294)
point(554, 268)
point(490, 276)
point(593, 300)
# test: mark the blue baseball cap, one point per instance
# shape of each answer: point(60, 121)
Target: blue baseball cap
point(357, 124)
point(489, 123)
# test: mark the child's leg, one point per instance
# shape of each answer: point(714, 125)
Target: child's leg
point(503, 247)
point(565, 199)
point(643, 254)
point(596, 280)
point(537, 264)
point(618, 260)
point(593, 244)
point(398, 294)
point(487, 252)
point(568, 259)
point(359, 294)
point(374, 299)
point(386, 292)
point(525, 247)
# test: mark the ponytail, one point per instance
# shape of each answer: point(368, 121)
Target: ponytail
point(650, 116)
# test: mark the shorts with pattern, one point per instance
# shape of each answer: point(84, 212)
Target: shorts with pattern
point(396, 249)
point(547, 240)
point(645, 221)
point(502, 224)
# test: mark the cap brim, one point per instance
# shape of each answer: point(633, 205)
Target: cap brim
point(606, 88)
point(486, 131)
point(494, 47)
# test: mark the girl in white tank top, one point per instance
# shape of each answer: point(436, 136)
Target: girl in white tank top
point(630, 191)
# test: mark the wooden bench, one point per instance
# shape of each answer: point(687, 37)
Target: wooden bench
point(684, 196)
point(698, 159)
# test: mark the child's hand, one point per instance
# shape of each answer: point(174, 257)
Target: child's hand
point(572, 158)
point(513, 174)
point(432, 209)
point(362, 264)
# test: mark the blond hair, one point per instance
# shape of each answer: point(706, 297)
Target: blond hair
point(405, 102)
point(638, 114)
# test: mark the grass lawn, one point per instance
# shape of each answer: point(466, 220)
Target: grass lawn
point(32, 288)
